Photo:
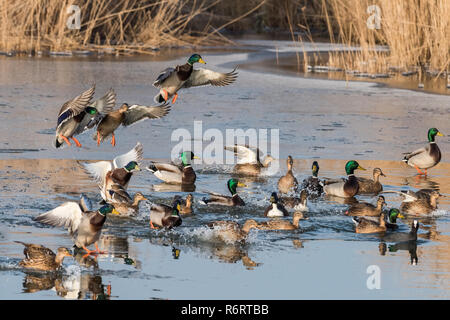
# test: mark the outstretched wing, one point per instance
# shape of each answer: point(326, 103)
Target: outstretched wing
point(163, 76)
point(75, 106)
point(104, 105)
point(67, 215)
point(245, 153)
point(137, 113)
point(85, 203)
point(203, 77)
point(98, 170)
point(134, 154)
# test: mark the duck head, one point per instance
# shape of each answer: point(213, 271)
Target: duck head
point(187, 157)
point(394, 214)
point(351, 166)
point(432, 133)
point(132, 166)
point(195, 58)
point(232, 184)
point(107, 208)
point(315, 168)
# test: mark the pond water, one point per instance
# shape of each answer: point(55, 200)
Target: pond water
point(328, 120)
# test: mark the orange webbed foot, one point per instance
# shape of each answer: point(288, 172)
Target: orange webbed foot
point(420, 171)
point(152, 226)
point(165, 94)
point(66, 140)
point(174, 98)
point(98, 138)
point(113, 140)
point(76, 142)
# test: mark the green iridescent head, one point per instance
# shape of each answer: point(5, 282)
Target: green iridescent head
point(132, 166)
point(394, 214)
point(315, 168)
point(176, 208)
point(351, 166)
point(195, 58)
point(107, 208)
point(232, 184)
point(91, 110)
point(187, 157)
point(433, 132)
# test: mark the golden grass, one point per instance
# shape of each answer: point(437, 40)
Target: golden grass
point(415, 31)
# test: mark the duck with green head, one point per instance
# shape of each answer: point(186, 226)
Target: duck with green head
point(392, 217)
point(312, 184)
point(234, 200)
point(171, 80)
point(174, 174)
point(347, 188)
point(426, 157)
point(164, 216)
point(84, 225)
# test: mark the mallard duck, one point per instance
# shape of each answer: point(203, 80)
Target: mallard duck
point(185, 205)
point(364, 225)
point(171, 80)
point(313, 184)
point(84, 225)
point(275, 209)
point(129, 208)
point(231, 231)
point(392, 216)
point(41, 258)
point(369, 185)
point(367, 209)
point(288, 182)
point(127, 115)
point(165, 216)
point(298, 204)
point(403, 236)
point(69, 117)
point(116, 172)
point(175, 174)
point(249, 162)
point(218, 199)
point(348, 188)
point(279, 224)
point(421, 202)
point(426, 157)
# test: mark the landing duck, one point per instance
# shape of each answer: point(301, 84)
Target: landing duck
point(249, 162)
point(171, 173)
point(347, 188)
point(426, 157)
point(38, 257)
point(84, 225)
point(170, 80)
point(218, 199)
point(127, 115)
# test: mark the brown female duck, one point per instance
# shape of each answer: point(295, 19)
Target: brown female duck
point(364, 225)
point(420, 202)
point(249, 162)
point(41, 258)
point(130, 207)
point(185, 205)
point(367, 209)
point(298, 204)
point(288, 182)
point(164, 216)
point(278, 224)
point(369, 186)
point(231, 231)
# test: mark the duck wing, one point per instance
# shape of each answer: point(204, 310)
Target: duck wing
point(164, 75)
point(74, 107)
point(416, 153)
point(85, 203)
point(67, 215)
point(203, 77)
point(245, 153)
point(138, 113)
point(36, 251)
point(134, 154)
point(98, 170)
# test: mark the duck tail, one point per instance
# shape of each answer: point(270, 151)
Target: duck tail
point(152, 168)
point(159, 98)
point(355, 220)
point(203, 201)
point(57, 144)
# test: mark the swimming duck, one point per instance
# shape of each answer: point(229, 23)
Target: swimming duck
point(69, 117)
point(185, 205)
point(118, 171)
point(403, 236)
point(130, 207)
point(275, 209)
point(231, 231)
point(421, 202)
point(426, 157)
point(392, 216)
point(170, 80)
point(249, 162)
point(127, 115)
point(298, 204)
point(234, 200)
point(369, 185)
point(279, 224)
point(366, 209)
point(165, 216)
point(288, 182)
point(348, 188)
point(41, 258)
point(84, 225)
point(364, 225)
point(313, 184)
point(174, 174)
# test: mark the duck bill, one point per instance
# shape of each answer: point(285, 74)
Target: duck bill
point(115, 212)
point(202, 61)
point(361, 168)
point(440, 134)
point(195, 157)
point(137, 168)
point(401, 216)
point(240, 184)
